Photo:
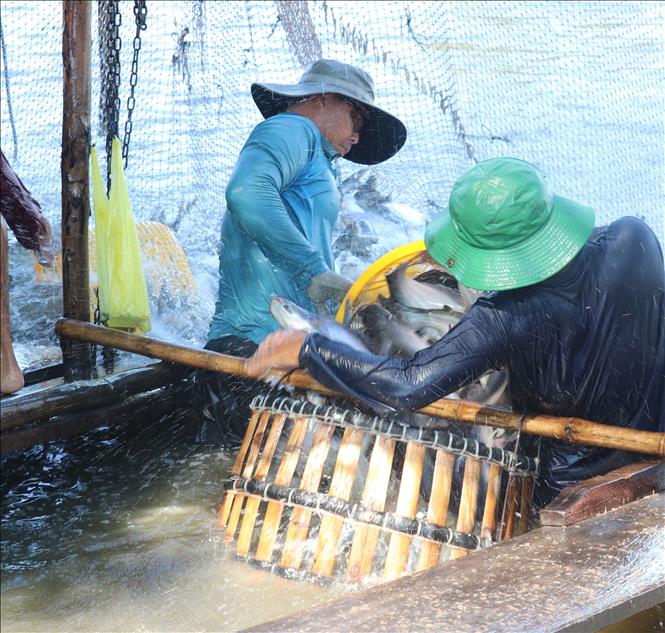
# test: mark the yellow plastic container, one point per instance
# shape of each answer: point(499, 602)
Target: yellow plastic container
point(372, 282)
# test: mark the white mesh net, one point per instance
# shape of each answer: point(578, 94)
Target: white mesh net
point(574, 87)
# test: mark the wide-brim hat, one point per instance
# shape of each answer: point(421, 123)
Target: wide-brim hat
point(381, 136)
point(503, 229)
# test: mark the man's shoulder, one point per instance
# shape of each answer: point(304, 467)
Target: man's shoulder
point(288, 127)
point(630, 231)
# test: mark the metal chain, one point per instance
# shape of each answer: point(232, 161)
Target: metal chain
point(140, 13)
point(111, 90)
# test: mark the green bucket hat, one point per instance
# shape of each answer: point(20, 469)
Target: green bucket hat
point(383, 134)
point(503, 229)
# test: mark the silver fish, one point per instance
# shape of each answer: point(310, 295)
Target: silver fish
point(384, 333)
point(290, 315)
point(423, 296)
point(431, 324)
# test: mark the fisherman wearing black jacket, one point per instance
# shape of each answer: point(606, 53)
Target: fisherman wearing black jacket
point(578, 319)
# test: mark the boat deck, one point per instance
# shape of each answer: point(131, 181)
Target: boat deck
point(581, 577)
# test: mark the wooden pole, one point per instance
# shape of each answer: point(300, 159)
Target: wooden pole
point(365, 537)
point(296, 535)
point(437, 511)
point(340, 488)
point(407, 506)
point(468, 501)
point(574, 430)
point(76, 56)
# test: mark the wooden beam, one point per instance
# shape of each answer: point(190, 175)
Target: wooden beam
point(85, 395)
point(151, 405)
point(605, 492)
point(76, 57)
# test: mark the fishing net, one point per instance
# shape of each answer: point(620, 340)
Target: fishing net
point(574, 87)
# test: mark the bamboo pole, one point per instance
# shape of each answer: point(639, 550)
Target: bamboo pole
point(365, 537)
point(76, 57)
point(468, 502)
point(225, 508)
point(488, 525)
point(296, 534)
point(574, 430)
point(407, 506)
point(283, 478)
point(252, 505)
point(437, 511)
point(247, 472)
point(340, 488)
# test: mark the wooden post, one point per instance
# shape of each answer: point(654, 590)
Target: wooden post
point(76, 57)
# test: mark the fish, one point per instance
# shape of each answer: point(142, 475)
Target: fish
point(290, 315)
point(424, 296)
point(430, 324)
point(384, 333)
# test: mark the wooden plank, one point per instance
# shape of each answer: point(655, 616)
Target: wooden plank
point(468, 502)
point(605, 492)
point(437, 512)
point(248, 469)
point(365, 537)
point(252, 503)
point(283, 478)
point(488, 525)
point(578, 578)
point(299, 525)
point(149, 406)
point(340, 487)
point(225, 508)
point(85, 395)
point(407, 506)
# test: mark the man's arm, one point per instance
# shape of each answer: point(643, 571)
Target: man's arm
point(471, 348)
point(274, 156)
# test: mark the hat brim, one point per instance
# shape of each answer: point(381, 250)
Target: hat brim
point(381, 137)
point(532, 260)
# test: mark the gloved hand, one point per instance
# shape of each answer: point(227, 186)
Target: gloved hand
point(327, 286)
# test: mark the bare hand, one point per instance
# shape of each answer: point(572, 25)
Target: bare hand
point(278, 352)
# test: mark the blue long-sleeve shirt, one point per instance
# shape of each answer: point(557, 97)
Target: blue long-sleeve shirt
point(588, 342)
point(282, 203)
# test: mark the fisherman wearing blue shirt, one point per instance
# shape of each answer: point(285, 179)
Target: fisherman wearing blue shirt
point(578, 320)
point(282, 205)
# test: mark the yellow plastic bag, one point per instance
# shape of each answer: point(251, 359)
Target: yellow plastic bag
point(123, 295)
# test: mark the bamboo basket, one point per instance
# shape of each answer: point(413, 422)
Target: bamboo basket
point(325, 492)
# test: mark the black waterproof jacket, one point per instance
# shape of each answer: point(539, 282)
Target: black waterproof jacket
point(588, 342)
